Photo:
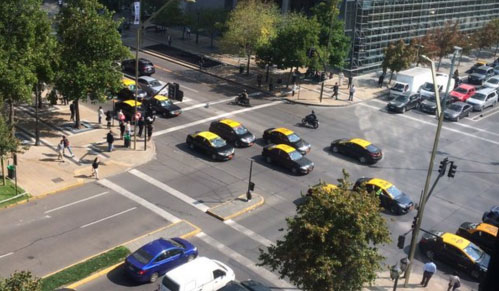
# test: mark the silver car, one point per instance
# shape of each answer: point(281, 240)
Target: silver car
point(483, 98)
point(492, 83)
point(152, 86)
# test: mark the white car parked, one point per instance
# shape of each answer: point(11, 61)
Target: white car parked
point(492, 83)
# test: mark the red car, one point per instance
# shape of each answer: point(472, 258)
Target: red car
point(462, 92)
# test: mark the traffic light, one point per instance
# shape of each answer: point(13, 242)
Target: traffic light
point(443, 167)
point(251, 186)
point(401, 242)
point(414, 221)
point(171, 91)
point(452, 170)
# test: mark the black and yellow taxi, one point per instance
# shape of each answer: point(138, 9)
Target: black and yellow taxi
point(283, 135)
point(233, 132)
point(163, 106)
point(211, 144)
point(357, 148)
point(455, 251)
point(128, 108)
point(128, 91)
point(321, 186)
point(482, 234)
point(287, 157)
point(391, 198)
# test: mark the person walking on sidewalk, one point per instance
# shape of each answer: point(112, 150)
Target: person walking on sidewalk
point(60, 151)
point(110, 140)
point(108, 118)
point(350, 80)
point(95, 168)
point(351, 91)
point(381, 79)
point(428, 271)
point(141, 126)
point(128, 129)
point(66, 144)
point(335, 91)
point(72, 111)
point(454, 282)
point(100, 113)
point(149, 131)
point(122, 129)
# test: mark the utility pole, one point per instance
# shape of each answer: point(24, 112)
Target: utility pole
point(137, 48)
point(451, 73)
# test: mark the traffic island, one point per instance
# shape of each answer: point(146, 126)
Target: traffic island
point(9, 195)
point(236, 207)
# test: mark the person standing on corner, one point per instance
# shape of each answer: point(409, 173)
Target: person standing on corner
point(122, 129)
point(128, 128)
point(141, 126)
point(454, 282)
point(108, 118)
point(110, 140)
point(351, 91)
point(335, 91)
point(350, 80)
point(428, 271)
point(95, 168)
point(72, 111)
point(149, 131)
point(100, 113)
point(66, 144)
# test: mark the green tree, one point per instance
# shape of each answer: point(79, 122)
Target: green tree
point(8, 144)
point(332, 242)
point(170, 15)
point(334, 45)
point(21, 281)
point(250, 25)
point(398, 57)
point(441, 41)
point(487, 36)
point(296, 34)
point(90, 48)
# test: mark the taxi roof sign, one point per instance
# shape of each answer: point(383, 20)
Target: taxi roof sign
point(127, 82)
point(383, 184)
point(283, 130)
point(284, 147)
point(230, 122)
point(132, 103)
point(160, 97)
point(455, 240)
point(488, 228)
point(362, 142)
point(207, 134)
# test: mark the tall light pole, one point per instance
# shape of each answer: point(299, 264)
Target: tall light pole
point(456, 52)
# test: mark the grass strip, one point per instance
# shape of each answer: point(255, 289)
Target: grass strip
point(8, 191)
point(84, 269)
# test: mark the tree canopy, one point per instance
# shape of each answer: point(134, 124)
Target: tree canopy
point(441, 41)
point(90, 49)
point(332, 241)
point(21, 281)
point(398, 57)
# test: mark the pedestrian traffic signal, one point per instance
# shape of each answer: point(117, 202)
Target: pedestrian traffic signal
point(443, 167)
point(401, 242)
point(452, 170)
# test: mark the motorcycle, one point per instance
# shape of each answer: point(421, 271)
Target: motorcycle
point(240, 100)
point(311, 121)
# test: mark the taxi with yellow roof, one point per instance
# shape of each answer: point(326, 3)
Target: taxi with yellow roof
point(211, 144)
point(391, 198)
point(455, 251)
point(482, 234)
point(128, 108)
point(287, 157)
point(128, 91)
point(357, 148)
point(282, 135)
point(163, 106)
point(233, 132)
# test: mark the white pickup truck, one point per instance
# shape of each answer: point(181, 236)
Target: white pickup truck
point(409, 81)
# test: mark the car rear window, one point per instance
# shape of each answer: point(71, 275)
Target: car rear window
point(461, 90)
point(169, 284)
point(142, 256)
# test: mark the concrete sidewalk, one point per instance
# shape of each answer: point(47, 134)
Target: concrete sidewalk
point(40, 172)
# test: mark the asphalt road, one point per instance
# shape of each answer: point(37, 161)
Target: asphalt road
point(406, 140)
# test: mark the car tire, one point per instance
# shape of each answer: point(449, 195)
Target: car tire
point(430, 254)
point(154, 277)
point(294, 171)
point(268, 160)
point(362, 160)
point(335, 149)
point(404, 109)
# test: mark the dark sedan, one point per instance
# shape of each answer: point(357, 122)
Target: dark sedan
point(283, 135)
point(457, 110)
point(391, 198)
point(358, 149)
point(157, 257)
point(163, 106)
point(429, 104)
point(146, 68)
point(248, 285)
point(403, 103)
point(455, 251)
point(287, 157)
point(211, 144)
point(482, 234)
point(233, 131)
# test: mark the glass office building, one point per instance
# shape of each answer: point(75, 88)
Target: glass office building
point(373, 24)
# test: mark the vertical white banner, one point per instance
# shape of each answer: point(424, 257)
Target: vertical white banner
point(136, 12)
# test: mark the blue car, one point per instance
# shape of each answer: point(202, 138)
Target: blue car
point(157, 257)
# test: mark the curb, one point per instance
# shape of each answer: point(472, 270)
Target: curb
point(318, 104)
point(93, 276)
point(247, 209)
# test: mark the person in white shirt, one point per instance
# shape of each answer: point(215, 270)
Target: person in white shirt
point(429, 270)
point(100, 113)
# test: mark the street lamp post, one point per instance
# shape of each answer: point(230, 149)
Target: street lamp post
point(456, 52)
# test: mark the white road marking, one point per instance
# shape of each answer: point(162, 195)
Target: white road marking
point(434, 124)
point(76, 202)
point(6, 255)
point(190, 89)
point(209, 103)
point(248, 232)
point(179, 127)
point(478, 117)
point(169, 190)
point(109, 217)
point(269, 276)
point(159, 211)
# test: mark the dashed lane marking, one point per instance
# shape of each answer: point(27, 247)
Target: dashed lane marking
point(76, 202)
point(6, 255)
point(108, 217)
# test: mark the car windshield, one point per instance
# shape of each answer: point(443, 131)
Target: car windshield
point(240, 130)
point(461, 90)
point(493, 81)
point(142, 256)
point(401, 99)
point(473, 251)
point(295, 155)
point(166, 103)
point(479, 96)
point(293, 137)
point(398, 87)
point(394, 191)
point(154, 83)
point(431, 99)
point(481, 71)
point(218, 142)
point(428, 87)
point(455, 107)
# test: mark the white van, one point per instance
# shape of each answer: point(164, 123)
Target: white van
point(200, 274)
point(427, 90)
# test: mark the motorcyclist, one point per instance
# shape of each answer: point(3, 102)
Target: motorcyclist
point(243, 97)
point(311, 117)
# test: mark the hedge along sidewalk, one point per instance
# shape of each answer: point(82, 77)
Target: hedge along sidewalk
point(8, 194)
point(84, 269)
